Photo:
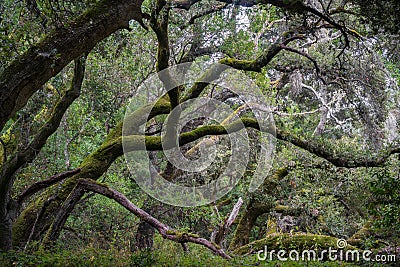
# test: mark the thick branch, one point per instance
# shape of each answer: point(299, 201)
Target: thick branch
point(159, 24)
point(208, 77)
point(314, 146)
point(30, 71)
point(152, 143)
point(262, 60)
point(163, 229)
point(353, 159)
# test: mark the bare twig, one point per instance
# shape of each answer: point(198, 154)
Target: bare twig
point(293, 50)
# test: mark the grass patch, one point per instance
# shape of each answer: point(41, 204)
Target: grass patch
point(164, 253)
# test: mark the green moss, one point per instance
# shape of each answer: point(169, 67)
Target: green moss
point(22, 227)
point(1, 155)
point(170, 232)
point(193, 235)
point(216, 245)
point(239, 64)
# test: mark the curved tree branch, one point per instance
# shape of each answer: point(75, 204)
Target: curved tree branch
point(27, 73)
point(262, 60)
point(163, 229)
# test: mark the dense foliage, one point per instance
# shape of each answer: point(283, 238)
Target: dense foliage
point(68, 70)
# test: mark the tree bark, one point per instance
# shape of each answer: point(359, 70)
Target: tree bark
point(27, 73)
point(5, 232)
point(92, 167)
point(5, 222)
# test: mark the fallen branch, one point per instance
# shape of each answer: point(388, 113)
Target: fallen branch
point(163, 229)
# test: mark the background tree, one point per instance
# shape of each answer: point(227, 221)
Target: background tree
point(68, 70)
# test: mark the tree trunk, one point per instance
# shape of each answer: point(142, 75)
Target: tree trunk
point(92, 167)
point(44, 60)
point(8, 210)
point(5, 233)
point(246, 223)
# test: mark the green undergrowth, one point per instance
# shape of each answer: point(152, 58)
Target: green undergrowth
point(164, 253)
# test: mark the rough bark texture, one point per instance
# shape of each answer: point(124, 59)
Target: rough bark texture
point(47, 58)
point(5, 221)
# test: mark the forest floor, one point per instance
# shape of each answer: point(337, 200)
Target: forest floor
point(164, 253)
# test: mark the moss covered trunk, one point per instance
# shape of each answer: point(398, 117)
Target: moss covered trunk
point(5, 233)
point(38, 216)
point(246, 223)
point(44, 60)
point(43, 210)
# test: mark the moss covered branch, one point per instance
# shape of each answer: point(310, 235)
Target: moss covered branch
point(27, 73)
